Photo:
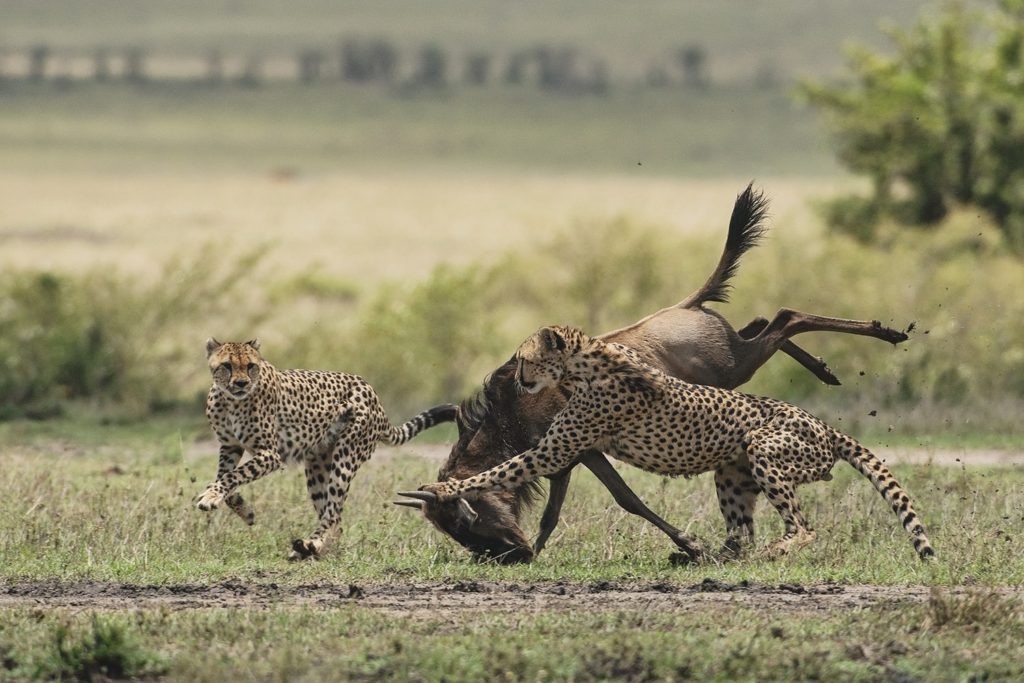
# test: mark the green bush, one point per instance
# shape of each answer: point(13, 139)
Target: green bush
point(107, 338)
point(436, 340)
point(417, 345)
point(106, 653)
point(600, 274)
point(937, 125)
point(136, 346)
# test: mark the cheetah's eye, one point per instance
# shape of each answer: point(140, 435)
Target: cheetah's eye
point(225, 366)
point(251, 366)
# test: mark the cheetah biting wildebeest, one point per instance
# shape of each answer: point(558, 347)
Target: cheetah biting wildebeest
point(661, 424)
point(330, 421)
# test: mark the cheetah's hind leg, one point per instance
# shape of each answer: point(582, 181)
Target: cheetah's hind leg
point(766, 450)
point(338, 468)
point(788, 544)
point(737, 496)
point(317, 472)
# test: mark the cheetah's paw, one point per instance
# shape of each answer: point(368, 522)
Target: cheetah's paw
point(305, 548)
point(788, 545)
point(210, 498)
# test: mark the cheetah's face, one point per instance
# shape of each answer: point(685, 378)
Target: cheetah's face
point(235, 366)
point(541, 360)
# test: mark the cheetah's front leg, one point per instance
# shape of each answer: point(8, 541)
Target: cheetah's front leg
point(227, 460)
point(263, 462)
point(551, 455)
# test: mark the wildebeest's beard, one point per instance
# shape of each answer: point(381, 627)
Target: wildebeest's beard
point(494, 425)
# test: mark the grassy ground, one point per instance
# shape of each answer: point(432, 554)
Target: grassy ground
point(114, 506)
point(122, 511)
point(288, 128)
point(939, 641)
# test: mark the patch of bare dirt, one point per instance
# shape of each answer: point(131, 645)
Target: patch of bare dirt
point(435, 598)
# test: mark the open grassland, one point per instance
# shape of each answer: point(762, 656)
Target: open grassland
point(285, 129)
point(104, 563)
point(968, 636)
point(454, 269)
point(80, 512)
point(415, 237)
point(359, 227)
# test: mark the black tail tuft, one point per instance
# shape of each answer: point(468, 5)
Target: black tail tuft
point(446, 412)
point(746, 228)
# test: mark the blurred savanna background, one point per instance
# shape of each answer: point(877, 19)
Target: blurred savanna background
point(405, 190)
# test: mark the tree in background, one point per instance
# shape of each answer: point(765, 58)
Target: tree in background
point(937, 124)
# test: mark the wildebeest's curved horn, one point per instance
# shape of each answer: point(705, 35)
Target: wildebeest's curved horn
point(466, 512)
point(409, 503)
point(426, 496)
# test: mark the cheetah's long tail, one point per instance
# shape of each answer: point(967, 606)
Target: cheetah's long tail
point(428, 418)
point(868, 464)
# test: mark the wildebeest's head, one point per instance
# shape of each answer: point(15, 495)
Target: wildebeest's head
point(496, 424)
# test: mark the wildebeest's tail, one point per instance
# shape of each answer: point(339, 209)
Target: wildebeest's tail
point(428, 418)
point(746, 228)
point(868, 464)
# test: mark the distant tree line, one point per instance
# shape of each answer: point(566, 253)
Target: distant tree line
point(555, 68)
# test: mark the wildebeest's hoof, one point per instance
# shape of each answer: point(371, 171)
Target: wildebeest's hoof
point(685, 558)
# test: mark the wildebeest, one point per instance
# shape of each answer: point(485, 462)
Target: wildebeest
point(661, 424)
point(687, 341)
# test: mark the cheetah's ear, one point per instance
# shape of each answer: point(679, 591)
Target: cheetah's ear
point(211, 346)
point(553, 339)
point(254, 343)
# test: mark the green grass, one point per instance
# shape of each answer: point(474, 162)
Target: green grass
point(123, 512)
point(171, 127)
point(113, 503)
point(938, 641)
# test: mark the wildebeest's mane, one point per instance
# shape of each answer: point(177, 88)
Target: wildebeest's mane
point(474, 410)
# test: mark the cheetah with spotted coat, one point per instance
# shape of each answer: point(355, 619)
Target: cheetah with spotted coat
point(661, 424)
point(329, 421)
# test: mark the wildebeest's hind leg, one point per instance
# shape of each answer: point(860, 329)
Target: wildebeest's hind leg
point(816, 365)
point(756, 350)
